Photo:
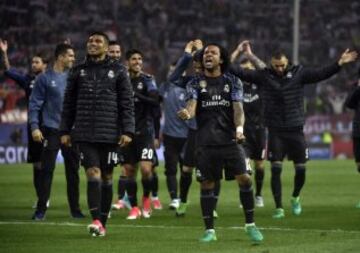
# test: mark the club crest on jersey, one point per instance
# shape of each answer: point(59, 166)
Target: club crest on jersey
point(253, 86)
point(203, 85)
point(140, 86)
point(53, 83)
point(111, 74)
point(82, 72)
point(289, 75)
point(227, 88)
point(182, 96)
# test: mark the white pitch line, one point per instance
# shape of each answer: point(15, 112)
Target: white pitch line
point(71, 224)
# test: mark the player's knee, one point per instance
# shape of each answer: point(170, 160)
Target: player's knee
point(244, 181)
point(259, 165)
point(107, 177)
point(93, 172)
point(207, 185)
point(146, 172)
point(187, 169)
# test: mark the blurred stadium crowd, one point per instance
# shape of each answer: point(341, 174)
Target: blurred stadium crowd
point(161, 28)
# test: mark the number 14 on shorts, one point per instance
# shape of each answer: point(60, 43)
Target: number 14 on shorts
point(113, 158)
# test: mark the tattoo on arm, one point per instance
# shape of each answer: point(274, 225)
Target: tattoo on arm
point(259, 64)
point(191, 107)
point(239, 117)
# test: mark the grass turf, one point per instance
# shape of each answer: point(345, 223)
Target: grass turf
point(329, 223)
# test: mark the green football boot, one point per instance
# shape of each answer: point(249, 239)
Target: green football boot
point(181, 210)
point(357, 205)
point(209, 236)
point(296, 206)
point(253, 232)
point(279, 213)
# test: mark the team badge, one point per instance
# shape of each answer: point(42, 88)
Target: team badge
point(203, 85)
point(253, 86)
point(289, 75)
point(182, 96)
point(111, 74)
point(226, 88)
point(82, 72)
point(140, 86)
point(53, 83)
point(46, 143)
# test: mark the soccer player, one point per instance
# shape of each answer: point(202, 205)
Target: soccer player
point(114, 51)
point(45, 107)
point(283, 94)
point(26, 82)
point(99, 113)
point(353, 102)
point(254, 129)
point(175, 132)
point(192, 53)
point(215, 98)
point(141, 150)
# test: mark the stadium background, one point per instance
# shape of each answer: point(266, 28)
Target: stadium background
point(161, 29)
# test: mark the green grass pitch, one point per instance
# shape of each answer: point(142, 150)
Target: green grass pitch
point(329, 223)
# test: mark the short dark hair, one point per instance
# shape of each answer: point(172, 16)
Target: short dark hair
point(104, 35)
point(224, 55)
point(114, 42)
point(44, 58)
point(62, 49)
point(278, 55)
point(131, 52)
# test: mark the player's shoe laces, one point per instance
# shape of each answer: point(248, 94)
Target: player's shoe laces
point(134, 213)
point(253, 232)
point(38, 216)
point(181, 210)
point(259, 201)
point(296, 206)
point(357, 205)
point(174, 204)
point(146, 207)
point(156, 203)
point(96, 228)
point(209, 236)
point(215, 214)
point(279, 213)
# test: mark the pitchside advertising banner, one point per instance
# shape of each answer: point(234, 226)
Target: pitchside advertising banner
point(327, 137)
